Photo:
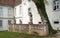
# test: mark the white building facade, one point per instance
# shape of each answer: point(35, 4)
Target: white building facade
point(6, 15)
point(22, 12)
point(53, 11)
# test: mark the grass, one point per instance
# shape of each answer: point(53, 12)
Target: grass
point(6, 34)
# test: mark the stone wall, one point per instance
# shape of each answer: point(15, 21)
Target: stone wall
point(38, 29)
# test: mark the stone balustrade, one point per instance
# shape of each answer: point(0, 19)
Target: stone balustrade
point(39, 29)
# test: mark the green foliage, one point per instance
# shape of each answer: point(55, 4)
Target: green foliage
point(40, 5)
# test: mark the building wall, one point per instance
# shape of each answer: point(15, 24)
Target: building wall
point(23, 12)
point(5, 17)
point(36, 16)
point(52, 15)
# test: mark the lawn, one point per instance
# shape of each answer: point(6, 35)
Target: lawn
point(6, 34)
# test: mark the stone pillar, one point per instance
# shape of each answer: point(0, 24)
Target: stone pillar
point(14, 20)
point(29, 28)
point(45, 23)
point(14, 24)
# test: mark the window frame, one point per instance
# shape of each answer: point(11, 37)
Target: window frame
point(10, 13)
point(1, 11)
point(56, 5)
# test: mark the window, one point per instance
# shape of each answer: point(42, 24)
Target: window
point(55, 5)
point(1, 11)
point(56, 22)
point(0, 23)
point(10, 12)
point(29, 9)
